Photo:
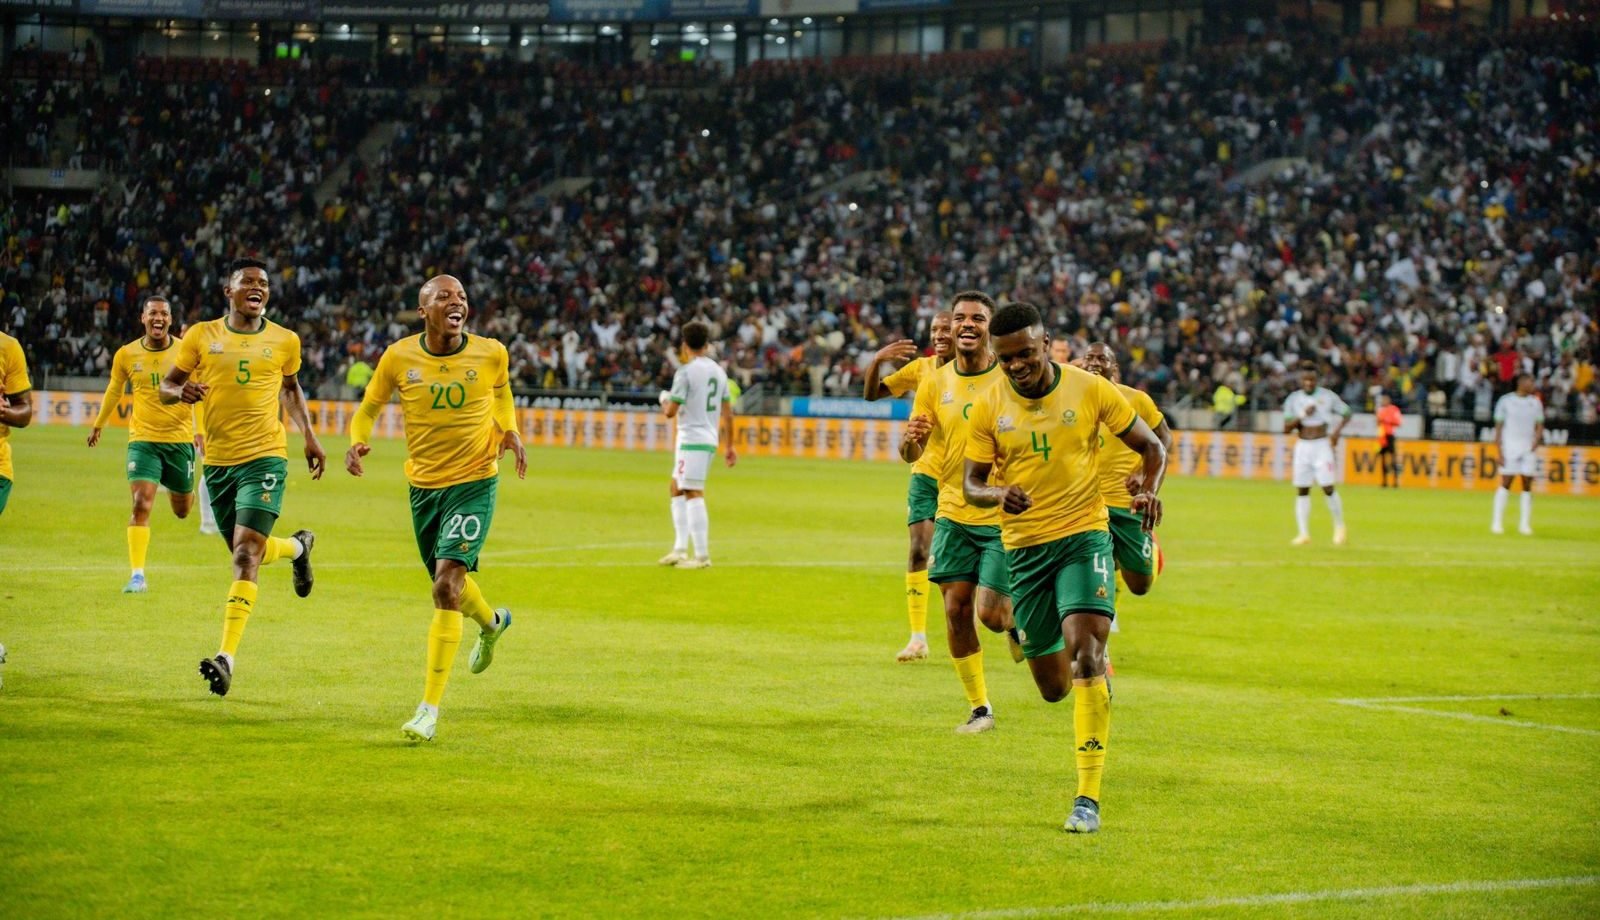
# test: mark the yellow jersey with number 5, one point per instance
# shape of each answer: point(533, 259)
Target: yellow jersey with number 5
point(1049, 447)
point(448, 404)
point(13, 382)
point(245, 372)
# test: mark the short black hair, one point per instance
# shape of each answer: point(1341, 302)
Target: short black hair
point(978, 296)
point(1014, 317)
point(143, 304)
point(1530, 377)
point(695, 335)
point(239, 265)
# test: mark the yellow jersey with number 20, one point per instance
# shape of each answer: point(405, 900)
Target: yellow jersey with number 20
point(245, 372)
point(1049, 446)
point(448, 404)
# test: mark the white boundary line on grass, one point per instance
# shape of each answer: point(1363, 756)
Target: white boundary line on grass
point(1391, 704)
point(1266, 900)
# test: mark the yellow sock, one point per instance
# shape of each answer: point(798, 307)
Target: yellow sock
point(444, 634)
point(473, 604)
point(278, 548)
point(138, 545)
point(970, 670)
point(917, 601)
point(241, 600)
point(1091, 728)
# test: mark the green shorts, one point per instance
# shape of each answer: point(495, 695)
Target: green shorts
point(5, 493)
point(172, 465)
point(453, 522)
point(962, 552)
point(250, 493)
point(922, 499)
point(1070, 575)
point(1135, 549)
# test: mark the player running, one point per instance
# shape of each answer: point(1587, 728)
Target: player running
point(242, 365)
point(455, 394)
point(161, 437)
point(16, 407)
point(1309, 411)
point(922, 494)
point(968, 561)
point(1518, 432)
point(703, 406)
point(1042, 429)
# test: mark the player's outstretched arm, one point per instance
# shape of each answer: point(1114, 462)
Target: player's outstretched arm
point(1142, 440)
point(872, 386)
point(110, 399)
point(294, 400)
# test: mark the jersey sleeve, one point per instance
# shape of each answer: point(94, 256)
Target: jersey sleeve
point(502, 375)
point(905, 379)
point(188, 357)
point(1500, 411)
point(1538, 411)
point(1340, 408)
point(291, 358)
point(1290, 412)
point(680, 385)
point(1112, 408)
point(113, 394)
point(926, 398)
point(982, 447)
point(16, 376)
point(1147, 410)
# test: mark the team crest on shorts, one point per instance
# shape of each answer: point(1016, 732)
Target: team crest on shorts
point(1100, 591)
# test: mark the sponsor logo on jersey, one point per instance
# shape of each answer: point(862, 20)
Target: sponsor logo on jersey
point(215, 348)
point(413, 376)
point(1004, 424)
point(946, 398)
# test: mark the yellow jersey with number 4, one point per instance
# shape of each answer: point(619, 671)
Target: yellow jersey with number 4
point(1118, 461)
point(245, 372)
point(947, 396)
point(906, 380)
point(448, 404)
point(13, 382)
point(142, 369)
point(1049, 446)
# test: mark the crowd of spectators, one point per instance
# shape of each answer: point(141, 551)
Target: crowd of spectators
point(1420, 217)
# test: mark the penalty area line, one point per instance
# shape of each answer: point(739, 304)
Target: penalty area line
point(1267, 900)
point(1378, 706)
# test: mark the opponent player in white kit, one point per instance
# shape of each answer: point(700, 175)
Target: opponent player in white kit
point(700, 401)
point(1518, 430)
point(1310, 410)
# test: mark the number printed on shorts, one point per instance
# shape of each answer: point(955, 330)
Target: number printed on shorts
point(463, 527)
point(680, 467)
point(269, 482)
point(453, 395)
point(1101, 567)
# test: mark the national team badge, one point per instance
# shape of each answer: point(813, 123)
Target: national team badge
point(266, 352)
point(472, 375)
point(1069, 417)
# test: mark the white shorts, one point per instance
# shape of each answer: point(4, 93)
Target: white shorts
point(1521, 460)
point(690, 466)
point(1313, 463)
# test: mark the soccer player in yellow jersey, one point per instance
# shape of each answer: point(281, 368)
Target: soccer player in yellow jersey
point(1043, 429)
point(161, 438)
point(242, 365)
point(922, 497)
point(16, 407)
point(1138, 554)
point(455, 394)
point(967, 561)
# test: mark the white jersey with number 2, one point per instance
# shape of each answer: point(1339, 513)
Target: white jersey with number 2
point(699, 388)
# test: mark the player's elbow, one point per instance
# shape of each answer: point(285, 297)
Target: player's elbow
point(24, 417)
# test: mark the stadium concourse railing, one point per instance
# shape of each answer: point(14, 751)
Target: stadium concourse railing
point(1573, 470)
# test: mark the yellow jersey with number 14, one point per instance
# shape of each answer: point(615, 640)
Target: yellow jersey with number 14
point(947, 395)
point(1049, 446)
point(244, 371)
point(448, 404)
point(13, 382)
point(1118, 461)
point(906, 380)
point(142, 369)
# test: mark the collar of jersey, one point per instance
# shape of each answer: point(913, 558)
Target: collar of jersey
point(1060, 372)
point(228, 328)
point(957, 369)
point(170, 342)
point(422, 341)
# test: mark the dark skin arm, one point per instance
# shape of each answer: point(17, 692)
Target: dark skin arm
point(177, 387)
point(294, 399)
point(17, 411)
point(1164, 435)
point(897, 352)
point(915, 438)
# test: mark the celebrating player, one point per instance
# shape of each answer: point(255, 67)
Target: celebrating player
point(455, 394)
point(1309, 411)
point(1042, 429)
point(161, 437)
point(1138, 554)
point(16, 408)
point(922, 495)
point(242, 365)
point(700, 401)
point(968, 561)
point(1518, 432)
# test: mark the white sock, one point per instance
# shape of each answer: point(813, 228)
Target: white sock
point(1336, 508)
point(699, 527)
point(1114, 621)
point(299, 548)
point(1302, 514)
point(1527, 511)
point(139, 573)
point(225, 657)
point(920, 637)
point(208, 521)
point(432, 709)
point(1501, 495)
point(680, 524)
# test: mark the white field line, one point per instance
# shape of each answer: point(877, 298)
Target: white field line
point(1391, 705)
point(1267, 900)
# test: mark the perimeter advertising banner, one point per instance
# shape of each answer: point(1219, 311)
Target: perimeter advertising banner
point(1217, 454)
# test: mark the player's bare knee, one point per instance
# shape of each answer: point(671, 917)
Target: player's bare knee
point(1052, 693)
point(1137, 584)
point(1088, 661)
point(1327, 490)
point(181, 506)
point(446, 593)
point(992, 609)
point(1304, 491)
point(917, 559)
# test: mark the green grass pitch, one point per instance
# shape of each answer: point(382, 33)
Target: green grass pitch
point(740, 742)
